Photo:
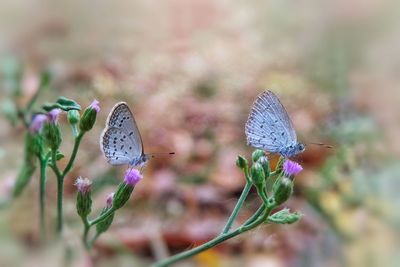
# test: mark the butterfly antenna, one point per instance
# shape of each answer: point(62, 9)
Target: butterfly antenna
point(161, 154)
point(321, 144)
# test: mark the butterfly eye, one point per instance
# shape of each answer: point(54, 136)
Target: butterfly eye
point(301, 147)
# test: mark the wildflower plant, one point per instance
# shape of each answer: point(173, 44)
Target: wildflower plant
point(43, 138)
point(258, 175)
point(113, 202)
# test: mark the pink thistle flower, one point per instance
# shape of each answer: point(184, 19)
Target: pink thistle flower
point(291, 168)
point(53, 115)
point(132, 177)
point(83, 185)
point(37, 123)
point(95, 105)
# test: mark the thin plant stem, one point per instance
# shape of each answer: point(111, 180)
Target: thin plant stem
point(102, 216)
point(255, 215)
point(60, 179)
point(60, 194)
point(60, 191)
point(86, 232)
point(219, 239)
point(90, 245)
point(73, 154)
point(237, 208)
point(42, 196)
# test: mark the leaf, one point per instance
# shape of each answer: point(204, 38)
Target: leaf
point(63, 103)
point(284, 217)
point(23, 179)
point(59, 156)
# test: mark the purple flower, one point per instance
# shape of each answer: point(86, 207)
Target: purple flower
point(37, 123)
point(53, 115)
point(291, 168)
point(132, 177)
point(109, 200)
point(83, 184)
point(95, 105)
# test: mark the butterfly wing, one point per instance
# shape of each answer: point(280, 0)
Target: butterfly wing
point(121, 128)
point(117, 148)
point(268, 126)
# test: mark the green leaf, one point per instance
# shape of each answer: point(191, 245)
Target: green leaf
point(24, 177)
point(284, 217)
point(59, 156)
point(63, 103)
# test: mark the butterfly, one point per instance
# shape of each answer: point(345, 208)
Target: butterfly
point(120, 141)
point(270, 128)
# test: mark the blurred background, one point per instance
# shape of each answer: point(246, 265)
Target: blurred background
point(190, 70)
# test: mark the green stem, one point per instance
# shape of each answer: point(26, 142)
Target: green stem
point(60, 179)
point(73, 155)
point(219, 239)
point(237, 208)
point(86, 232)
point(94, 239)
point(60, 191)
point(60, 194)
point(42, 196)
point(255, 215)
point(102, 216)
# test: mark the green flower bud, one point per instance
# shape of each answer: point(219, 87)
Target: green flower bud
point(103, 225)
point(33, 145)
point(284, 217)
point(257, 154)
point(282, 189)
point(83, 198)
point(258, 176)
point(265, 164)
point(73, 116)
point(52, 135)
point(122, 195)
point(241, 162)
point(89, 116)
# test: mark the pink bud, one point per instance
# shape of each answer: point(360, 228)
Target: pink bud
point(83, 184)
point(132, 177)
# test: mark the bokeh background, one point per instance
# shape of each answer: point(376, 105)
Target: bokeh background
point(190, 70)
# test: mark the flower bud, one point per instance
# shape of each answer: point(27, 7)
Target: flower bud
point(241, 162)
point(89, 116)
point(258, 153)
point(132, 177)
point(122, 195)
point(282, 189)
point(258, 176)
point(109, 200)
point(33, 144)
point(265, 164)
point(124, 191)
point(37, 123)
point(103, 225)
point(52, 135)
point(73, 116)
point(53, 115)
point(83, 198)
